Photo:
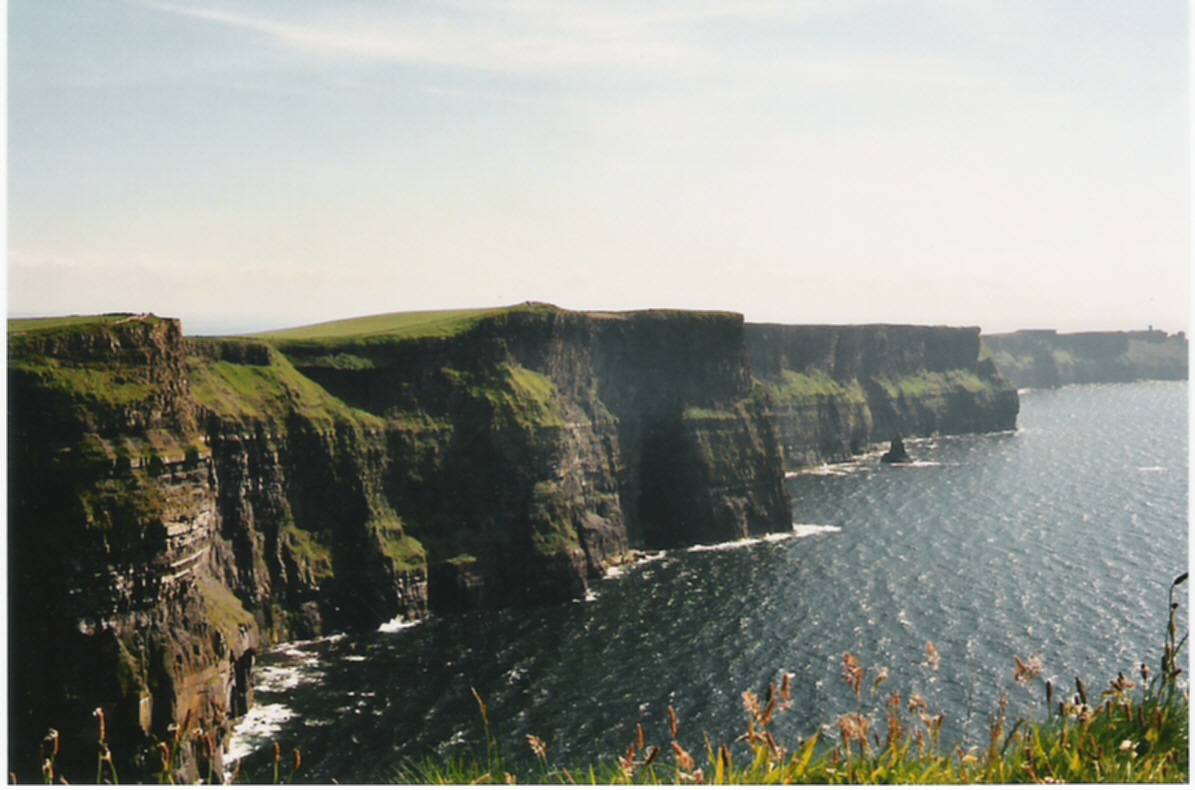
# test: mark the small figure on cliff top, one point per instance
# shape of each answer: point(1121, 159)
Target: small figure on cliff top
point(896, 452)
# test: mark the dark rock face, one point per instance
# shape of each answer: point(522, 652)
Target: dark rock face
point(1046, 359)
point(113, 531)
point(574, 435)
point(835, 390)
point(160, 536)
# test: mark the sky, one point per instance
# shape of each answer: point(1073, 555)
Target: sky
point(246, 166)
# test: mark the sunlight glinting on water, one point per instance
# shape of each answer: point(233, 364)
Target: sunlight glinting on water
point(1058, 540)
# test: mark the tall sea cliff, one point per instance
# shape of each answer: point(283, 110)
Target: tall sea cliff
point(178, 504)
point(834, 390)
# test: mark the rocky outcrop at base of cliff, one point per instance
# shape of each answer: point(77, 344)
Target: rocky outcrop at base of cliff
point(1047, 359)
point(836, 390)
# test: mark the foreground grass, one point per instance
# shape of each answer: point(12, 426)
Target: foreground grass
point(1118, 741)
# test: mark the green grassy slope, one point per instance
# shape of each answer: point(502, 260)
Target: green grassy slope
point(397, 326)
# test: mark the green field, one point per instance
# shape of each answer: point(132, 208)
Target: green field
point(63, 322)
point(400, 326)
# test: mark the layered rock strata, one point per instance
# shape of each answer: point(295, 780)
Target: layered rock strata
point(172, 508)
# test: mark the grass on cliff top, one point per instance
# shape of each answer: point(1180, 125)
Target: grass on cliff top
point(23, 331)
point(263, 392)
point(398, 326)
point(440, 324)
point(16, 325)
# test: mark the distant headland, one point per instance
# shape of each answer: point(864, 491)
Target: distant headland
point(1043, 358)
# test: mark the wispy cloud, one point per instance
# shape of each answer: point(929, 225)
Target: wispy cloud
point(510, 38)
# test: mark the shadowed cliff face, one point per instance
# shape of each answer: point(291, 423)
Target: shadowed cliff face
point(834, 390)
point(539, 446)
point(1045, 358)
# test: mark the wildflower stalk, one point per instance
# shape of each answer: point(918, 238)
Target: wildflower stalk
point(105, 754)
point(50, 745)
point(493, 754)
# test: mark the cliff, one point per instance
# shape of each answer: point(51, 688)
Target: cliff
point(175, 505)
point(834, 390)
point(1045, 358)
point(170, 511)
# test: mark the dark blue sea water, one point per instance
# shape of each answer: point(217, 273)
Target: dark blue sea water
point(1059, 539)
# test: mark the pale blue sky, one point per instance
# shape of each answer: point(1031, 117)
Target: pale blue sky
point(257, 165)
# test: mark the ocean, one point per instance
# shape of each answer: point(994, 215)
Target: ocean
point(1057, 541)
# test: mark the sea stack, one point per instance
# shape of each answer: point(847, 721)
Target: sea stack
point(896, 452)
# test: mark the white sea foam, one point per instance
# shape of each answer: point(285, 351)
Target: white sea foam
point(257, 726)
point(805, 530)
point(828, 470)
point(276, 678)
point(1151, 469)
point(298, 650)
point(798, 531)
point(302, 645)
point(399, 623)
point(729, 545)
